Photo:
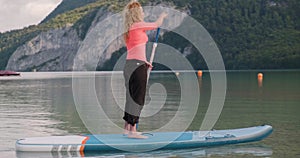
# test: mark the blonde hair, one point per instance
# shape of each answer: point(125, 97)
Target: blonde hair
point(132, 14)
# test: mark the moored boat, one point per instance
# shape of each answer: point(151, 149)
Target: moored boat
point(9, 73)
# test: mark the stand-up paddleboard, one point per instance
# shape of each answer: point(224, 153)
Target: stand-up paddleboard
point(159, 140)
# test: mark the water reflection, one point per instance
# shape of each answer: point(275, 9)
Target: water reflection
point(25, 110)
point(230, 150)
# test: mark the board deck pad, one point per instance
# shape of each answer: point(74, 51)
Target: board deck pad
point(155, 141)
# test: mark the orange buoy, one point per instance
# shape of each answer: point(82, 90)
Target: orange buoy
point(260, 75)
point(260, 79)
point(200, 73)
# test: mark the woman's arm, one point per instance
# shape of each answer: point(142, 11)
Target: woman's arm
point(161, 18)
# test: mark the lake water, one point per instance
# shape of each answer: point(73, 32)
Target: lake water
point(42, 104)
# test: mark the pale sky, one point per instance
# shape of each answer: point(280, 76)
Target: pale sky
point(16, 14)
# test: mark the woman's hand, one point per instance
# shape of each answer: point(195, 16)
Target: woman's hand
point(149, 65)
point(161, 18)
point(163, 15)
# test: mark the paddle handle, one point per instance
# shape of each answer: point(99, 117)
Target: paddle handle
point(157, 35)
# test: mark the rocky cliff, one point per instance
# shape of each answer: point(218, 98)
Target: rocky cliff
point(50, 51)
point(56, 50)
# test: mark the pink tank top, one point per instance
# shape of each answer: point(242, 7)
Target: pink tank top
point(136, 43)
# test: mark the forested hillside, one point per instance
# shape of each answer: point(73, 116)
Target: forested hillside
point(251, 34)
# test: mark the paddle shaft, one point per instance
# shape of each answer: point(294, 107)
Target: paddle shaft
point(153, 53)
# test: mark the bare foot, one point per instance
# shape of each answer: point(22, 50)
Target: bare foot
point(138, 133)
point(126, 132)
point(137, 136)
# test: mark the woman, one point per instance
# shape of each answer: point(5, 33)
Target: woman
point(135, 70)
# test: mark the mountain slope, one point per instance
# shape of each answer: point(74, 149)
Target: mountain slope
point(10, 41)
point(67, 5)
point(251, 34)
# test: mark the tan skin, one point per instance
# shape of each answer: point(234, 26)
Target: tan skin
point(130, 130)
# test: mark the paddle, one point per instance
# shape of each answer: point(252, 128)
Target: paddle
point(153, 53)
point(152, 58)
